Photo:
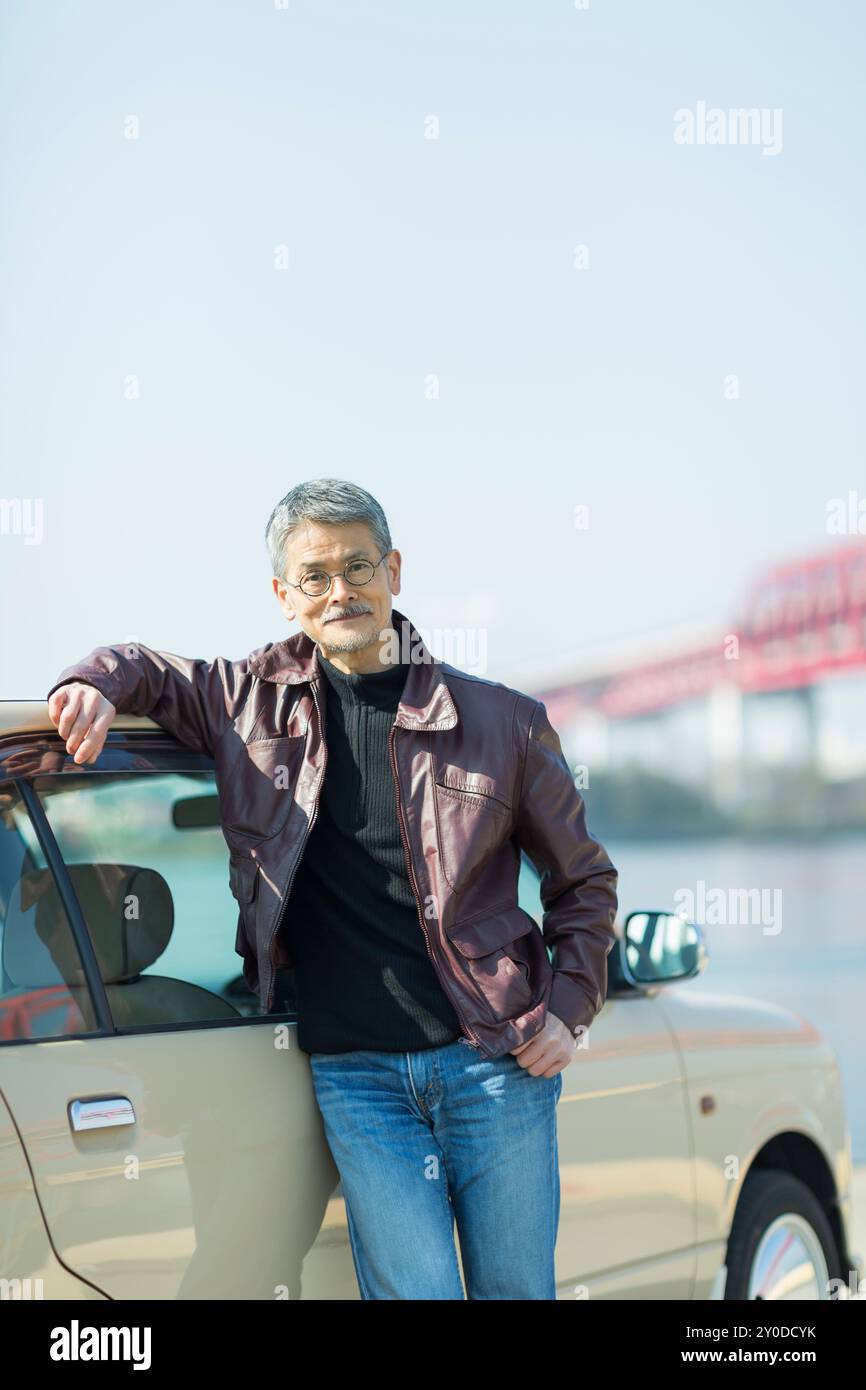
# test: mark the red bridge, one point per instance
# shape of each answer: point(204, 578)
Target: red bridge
point(801, 621)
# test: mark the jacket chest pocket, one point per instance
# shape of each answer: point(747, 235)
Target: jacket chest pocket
point(257, 786)
point(471, 825)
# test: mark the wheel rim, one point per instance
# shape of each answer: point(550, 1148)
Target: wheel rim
point(789, 1263)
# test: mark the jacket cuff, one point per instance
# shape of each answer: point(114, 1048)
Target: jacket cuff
point(102, 682)
point(571, 1003)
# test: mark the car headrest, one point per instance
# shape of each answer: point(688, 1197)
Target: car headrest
point(129, 913)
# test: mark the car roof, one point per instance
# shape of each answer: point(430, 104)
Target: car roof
point(31, 716)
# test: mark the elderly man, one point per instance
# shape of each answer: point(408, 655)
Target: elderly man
point(375, 802)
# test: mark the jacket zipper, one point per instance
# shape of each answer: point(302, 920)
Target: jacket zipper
point(312, 821)
point(472, 1040)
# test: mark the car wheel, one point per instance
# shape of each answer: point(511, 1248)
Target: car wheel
point(781, 1246)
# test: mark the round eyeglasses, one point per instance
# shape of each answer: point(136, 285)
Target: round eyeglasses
point(356, 572)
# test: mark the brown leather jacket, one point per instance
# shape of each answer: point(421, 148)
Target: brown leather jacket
point(479, 774)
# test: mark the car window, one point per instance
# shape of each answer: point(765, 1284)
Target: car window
point(149, 866)
point(42, 989)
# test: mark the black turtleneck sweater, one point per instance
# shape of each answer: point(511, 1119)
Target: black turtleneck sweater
point(363, 977)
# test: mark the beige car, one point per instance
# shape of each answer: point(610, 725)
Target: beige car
point(159, 1137)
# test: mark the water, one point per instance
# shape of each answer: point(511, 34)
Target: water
point(815, 964)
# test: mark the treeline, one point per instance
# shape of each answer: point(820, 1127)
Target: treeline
point(637, 804)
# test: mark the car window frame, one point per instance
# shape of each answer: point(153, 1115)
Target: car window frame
point(138, 752)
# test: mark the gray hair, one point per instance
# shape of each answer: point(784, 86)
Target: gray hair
point(330, 502)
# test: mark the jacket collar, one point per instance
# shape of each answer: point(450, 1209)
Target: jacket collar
point(426, 701)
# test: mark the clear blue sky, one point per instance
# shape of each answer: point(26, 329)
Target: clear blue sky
point(304, 127)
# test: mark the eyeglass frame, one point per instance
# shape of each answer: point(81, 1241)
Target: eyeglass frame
point(333, 576)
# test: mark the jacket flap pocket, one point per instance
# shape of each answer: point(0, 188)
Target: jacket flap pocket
point(243, 878)
point(481, 935)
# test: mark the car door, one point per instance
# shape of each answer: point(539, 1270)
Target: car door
point(170, 1128)
point(627, 1203)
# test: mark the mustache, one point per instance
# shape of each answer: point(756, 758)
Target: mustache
point(355, 613)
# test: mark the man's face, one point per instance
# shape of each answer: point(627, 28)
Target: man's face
point(348, 617)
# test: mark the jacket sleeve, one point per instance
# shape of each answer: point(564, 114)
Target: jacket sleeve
point(578, 880)
point(192, 699)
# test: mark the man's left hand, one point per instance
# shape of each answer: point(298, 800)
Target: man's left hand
point(550, 1051)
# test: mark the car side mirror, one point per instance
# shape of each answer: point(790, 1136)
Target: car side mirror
point(658, 947)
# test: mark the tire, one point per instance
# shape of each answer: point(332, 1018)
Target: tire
point(773, 1198)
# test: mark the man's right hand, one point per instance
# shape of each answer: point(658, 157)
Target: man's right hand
point(81, 716)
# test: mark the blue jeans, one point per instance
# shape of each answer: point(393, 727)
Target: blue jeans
point(423, 1138)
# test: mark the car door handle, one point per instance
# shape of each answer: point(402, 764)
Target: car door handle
point(101, 1114)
